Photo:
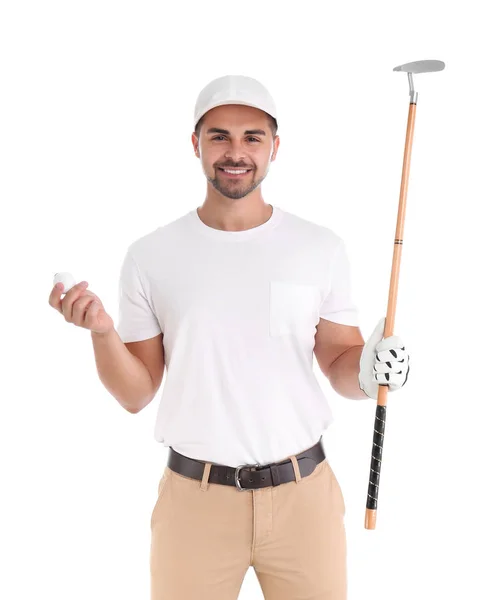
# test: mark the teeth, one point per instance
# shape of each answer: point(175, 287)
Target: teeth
point(234, 172)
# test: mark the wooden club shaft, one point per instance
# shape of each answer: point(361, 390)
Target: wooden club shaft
point(373, 491)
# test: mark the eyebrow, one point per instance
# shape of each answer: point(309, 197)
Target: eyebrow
point(226, 132)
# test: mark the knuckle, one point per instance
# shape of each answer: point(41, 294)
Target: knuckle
point(77, 309)
point(80, 307)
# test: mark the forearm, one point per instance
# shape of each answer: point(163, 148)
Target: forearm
point(344, 374)
point(124, 376)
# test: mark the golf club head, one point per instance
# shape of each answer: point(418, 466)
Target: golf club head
point(421, 66)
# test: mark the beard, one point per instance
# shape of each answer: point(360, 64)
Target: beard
point(234, 188)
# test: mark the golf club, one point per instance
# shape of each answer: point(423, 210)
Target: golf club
point(419, 66)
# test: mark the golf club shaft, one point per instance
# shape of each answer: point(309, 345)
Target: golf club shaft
point(380, 420)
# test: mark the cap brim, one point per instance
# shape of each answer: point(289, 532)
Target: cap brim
point(232, 101)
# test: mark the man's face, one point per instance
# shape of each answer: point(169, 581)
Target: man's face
point(235, 137)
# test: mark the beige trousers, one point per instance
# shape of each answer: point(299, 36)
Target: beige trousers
point(204, 537)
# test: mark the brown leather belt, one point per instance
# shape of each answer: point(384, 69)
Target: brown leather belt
point(248, 477)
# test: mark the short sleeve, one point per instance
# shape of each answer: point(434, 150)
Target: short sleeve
point(137, 320)
point(338, 305)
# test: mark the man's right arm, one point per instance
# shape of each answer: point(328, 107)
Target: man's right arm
point(124, 375)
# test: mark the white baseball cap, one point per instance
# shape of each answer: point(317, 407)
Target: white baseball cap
point(234, 89)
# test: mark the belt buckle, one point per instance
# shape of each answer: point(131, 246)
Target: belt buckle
point(237, 479)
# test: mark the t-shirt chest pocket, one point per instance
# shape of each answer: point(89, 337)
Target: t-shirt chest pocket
point(294, 307)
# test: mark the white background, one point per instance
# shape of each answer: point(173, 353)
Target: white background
point(96, 119)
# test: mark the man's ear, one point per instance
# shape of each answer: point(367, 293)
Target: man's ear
point(196, 145)
point(275, 150)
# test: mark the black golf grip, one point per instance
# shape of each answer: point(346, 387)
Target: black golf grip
point(377, 443)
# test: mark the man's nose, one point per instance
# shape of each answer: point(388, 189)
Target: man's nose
point(235, 151)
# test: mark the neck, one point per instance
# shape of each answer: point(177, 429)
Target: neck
point(234, 215)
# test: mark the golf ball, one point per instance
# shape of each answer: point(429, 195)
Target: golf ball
point(67, 279)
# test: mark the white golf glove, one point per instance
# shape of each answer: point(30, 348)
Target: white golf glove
point(383, 361)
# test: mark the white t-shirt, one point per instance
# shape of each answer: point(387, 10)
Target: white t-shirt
point(238, 311)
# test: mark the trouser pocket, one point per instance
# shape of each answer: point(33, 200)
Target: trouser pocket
point(337, 490)
point(162, 486)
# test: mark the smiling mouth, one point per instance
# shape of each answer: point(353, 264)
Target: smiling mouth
point(235, 173)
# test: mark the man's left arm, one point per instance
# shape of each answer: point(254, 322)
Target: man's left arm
point(356, 369)
point(344, 374)
point(338, 350)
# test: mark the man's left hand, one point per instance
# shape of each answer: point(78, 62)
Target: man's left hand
point(383, 361)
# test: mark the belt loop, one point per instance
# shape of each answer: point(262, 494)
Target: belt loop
point(296, 469)
point(206, 475)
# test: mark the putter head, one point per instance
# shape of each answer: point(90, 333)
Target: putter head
point(421, 66)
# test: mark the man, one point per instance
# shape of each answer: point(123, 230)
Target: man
point(237, 296)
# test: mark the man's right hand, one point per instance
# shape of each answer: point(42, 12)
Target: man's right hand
point(82, 308)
